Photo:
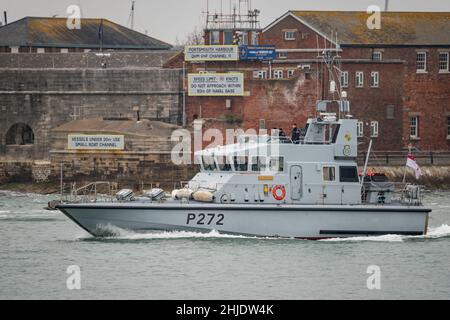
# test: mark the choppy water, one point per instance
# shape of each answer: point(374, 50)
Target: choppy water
point(37, 247)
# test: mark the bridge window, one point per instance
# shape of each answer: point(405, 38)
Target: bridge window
point(348, 174)
point(20, 134)
point(208, 163)
point(259, 164)
point(241, 163)
point(224, 163)
point(277, 164)
point(329, 174)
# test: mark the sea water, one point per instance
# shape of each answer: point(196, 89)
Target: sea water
point(39, 251)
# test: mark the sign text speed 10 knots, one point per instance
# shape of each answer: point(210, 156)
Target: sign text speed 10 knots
point(216, 84)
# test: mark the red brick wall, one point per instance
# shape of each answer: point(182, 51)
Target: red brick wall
point(283, 102)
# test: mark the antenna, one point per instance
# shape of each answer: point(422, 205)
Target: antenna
point(131, 17)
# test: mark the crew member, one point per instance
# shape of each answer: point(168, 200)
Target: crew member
point(295, 134)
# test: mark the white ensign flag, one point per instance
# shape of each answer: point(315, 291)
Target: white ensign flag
point(411, 163)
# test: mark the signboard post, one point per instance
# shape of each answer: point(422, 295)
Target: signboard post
point(216, 84)
point(211, 53)
point(95, 142)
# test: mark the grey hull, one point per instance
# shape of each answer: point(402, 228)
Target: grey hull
point(306, 222)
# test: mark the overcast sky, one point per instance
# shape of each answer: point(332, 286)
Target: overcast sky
point(169, 19)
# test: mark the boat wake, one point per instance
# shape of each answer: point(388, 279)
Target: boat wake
point(433, 233)
point(110, 232)
point(114, 233)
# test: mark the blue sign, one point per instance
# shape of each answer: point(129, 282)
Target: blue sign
point(257, 53)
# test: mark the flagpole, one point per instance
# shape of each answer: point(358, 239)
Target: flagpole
point(406, 166)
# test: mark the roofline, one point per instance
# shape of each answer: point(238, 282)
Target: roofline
point(162, 45)
point(291, 14)
point(88, 46)
point(380, 45)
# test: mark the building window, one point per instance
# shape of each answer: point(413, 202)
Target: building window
point(289, 35)
point(421, 62)
point(360, 129)
point(377, 56)
point(443, 62)
point(278, 74)
point(390, 112)
point(14, 49)
point(244, 38)
point(282, 55)
point(448, 127)
point(228, 37)
point(374, 129)
point(214, 37)
point(291, 73)
point(262, 124)
point(40, 50)
point(375, 79)
point(344, 79)
point(261, 74)
point(359, 79)
point(329, 174)
point(414, 127)
point(255, 39)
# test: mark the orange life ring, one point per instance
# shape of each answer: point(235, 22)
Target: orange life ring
point(278, 196)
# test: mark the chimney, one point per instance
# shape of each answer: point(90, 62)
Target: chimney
point(386, 5)
point(6, 17)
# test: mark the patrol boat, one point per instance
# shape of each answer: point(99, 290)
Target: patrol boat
point(267, 186)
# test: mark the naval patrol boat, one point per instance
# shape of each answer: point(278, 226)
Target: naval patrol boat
point(270, 186)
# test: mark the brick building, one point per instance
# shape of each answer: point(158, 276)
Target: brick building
point(397, 78)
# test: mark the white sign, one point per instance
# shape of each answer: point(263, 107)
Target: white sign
point(211, 53)
point(216, 84)
point(95, 142)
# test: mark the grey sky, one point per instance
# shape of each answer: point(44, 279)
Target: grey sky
point(169, 19)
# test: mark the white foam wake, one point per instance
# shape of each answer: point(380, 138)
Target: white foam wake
point(113, 232)
point(433, 233)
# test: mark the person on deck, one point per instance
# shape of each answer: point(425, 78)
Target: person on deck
point(295, 135)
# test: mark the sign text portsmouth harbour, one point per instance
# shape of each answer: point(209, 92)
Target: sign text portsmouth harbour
point(211, 53)
point(95, 142)
point(216, 84)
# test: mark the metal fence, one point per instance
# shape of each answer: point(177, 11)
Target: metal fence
point(398, 158)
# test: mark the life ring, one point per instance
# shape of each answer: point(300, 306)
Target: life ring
point(276, 195)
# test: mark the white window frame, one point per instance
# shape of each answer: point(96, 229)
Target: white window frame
point(282, 55)
point(64, 50)
point(229, 33)
point(374, 129)
point(255, 39)
point(375, 79)
point(344, 79)
point(289, 35)
point(379, 53)
point(260, 74)
point(278, 74)
point(14, 49)
point(448, 127)
point(424, 69)
point(40, 50)
point(291, 73)
point(211, 37)
point(360, 129)
point(445, 54)
point(359, 79)
point(244, 38)
point(414, 126)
